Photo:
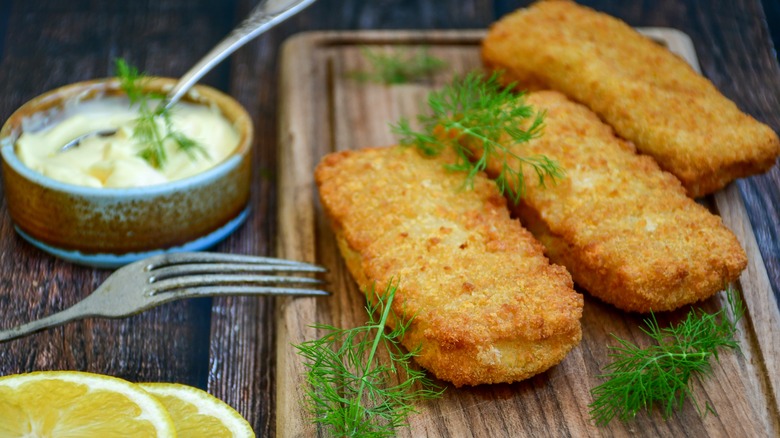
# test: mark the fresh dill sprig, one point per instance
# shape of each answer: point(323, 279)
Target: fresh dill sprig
point(353, 392)
point(477, 111)
point(640, 378)
point(147, 131)
point(399, 66)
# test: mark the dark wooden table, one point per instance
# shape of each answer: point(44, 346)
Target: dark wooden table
point(226, 345)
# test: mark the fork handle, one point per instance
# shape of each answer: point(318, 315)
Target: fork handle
point(52, 320)
point(265, 16)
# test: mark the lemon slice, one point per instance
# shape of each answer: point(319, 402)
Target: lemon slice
point(197, 413)
point(76, 404)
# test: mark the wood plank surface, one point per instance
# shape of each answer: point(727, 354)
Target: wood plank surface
point(323, 109)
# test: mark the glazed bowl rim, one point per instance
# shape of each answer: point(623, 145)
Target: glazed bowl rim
point(203, 95)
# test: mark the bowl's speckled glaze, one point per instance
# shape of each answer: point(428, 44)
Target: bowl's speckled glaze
point(112, 226)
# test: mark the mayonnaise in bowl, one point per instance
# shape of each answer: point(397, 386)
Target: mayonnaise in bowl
point(100, 203)
point(115, 160)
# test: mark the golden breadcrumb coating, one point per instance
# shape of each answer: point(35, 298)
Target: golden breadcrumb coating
point(649, 95)
point(623, 227)
point(488, 306)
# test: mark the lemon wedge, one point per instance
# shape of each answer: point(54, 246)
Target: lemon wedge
point(77, 404)
point(196, 413)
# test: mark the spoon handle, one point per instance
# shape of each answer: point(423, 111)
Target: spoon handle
point(263, 17)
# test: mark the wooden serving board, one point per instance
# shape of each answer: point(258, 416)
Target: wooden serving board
point(324, 109)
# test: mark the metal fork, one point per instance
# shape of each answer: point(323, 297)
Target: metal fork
point(163, 278)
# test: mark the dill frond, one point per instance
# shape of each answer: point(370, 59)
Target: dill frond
point(147, 130)
point(352, 392)
point(476, 109)
point(640, 378)
point(399, 66)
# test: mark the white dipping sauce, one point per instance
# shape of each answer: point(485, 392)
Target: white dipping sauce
point(113, 161)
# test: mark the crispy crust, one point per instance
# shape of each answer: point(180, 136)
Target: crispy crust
point(488, 306)
point(623, 227)
point(650, 96)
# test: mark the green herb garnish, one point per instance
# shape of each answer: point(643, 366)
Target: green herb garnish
point(399, 66)
point(147, 131)
point(353, 392)
point(660, 374)
point(478, 110)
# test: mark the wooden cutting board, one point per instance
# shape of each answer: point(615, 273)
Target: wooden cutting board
point(324, 109)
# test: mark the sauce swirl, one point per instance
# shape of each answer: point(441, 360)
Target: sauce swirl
point(113, 161)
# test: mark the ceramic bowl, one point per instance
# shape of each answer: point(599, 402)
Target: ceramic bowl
point(109, 227)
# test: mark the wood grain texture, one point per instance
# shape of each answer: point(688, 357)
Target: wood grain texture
point(324, 110)
point(242, 335)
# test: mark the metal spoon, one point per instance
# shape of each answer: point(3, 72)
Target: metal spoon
point(263, 17)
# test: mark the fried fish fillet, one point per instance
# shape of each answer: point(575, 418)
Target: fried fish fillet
point(649, 95)
point(624, 228)
point(488, 306)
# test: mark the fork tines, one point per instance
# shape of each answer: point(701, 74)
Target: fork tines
point(218, 274)
point(215, 257)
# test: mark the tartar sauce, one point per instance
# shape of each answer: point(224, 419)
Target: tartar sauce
point(113, 161)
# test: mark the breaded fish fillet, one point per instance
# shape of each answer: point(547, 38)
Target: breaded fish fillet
point(488, 306)
point(623, 227)
point(650, 96)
